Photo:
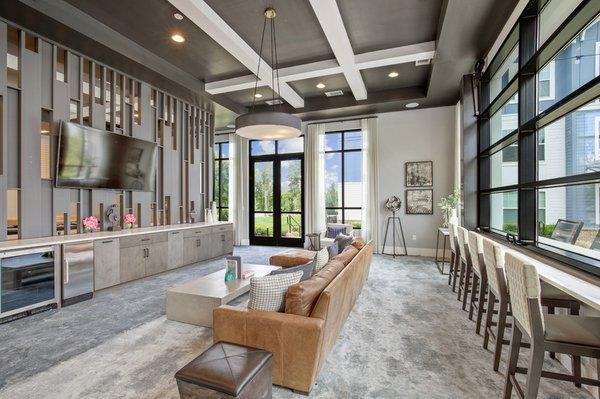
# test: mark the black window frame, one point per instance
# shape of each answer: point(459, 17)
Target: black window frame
point(217, 194)
point(343, 150)
point(533, 57)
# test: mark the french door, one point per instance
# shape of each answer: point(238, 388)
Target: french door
point(277, 200)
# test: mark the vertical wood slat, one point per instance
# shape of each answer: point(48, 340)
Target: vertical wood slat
point(30, 118)
point(3, 133)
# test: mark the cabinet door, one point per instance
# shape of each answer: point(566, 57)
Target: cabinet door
point(222, 244)
point(190, 250)
point(175, 249)
point(157, 256)
point(107, 270)
point(205, 250)
point(132, 263)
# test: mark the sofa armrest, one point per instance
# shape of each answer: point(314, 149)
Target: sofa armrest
point(295, 341)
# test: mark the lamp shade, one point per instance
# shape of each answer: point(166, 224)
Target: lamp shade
point(268, 126)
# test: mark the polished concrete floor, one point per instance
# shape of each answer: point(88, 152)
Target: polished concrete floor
point(405, 338)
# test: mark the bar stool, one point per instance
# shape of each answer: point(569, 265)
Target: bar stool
point(454, 256)
point(493, 255)
point(479, 283)
point(465, 266)
point(573, 335)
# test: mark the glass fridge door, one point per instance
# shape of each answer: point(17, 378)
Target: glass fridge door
point(27, 278)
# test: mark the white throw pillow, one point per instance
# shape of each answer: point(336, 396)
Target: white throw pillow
point(268, 293)
point(322, 258)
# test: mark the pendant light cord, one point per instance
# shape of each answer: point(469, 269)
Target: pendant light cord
point(276, 66)
point(272, 63)
point(262, 39)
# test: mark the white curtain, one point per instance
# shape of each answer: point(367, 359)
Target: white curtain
point(314, 158)
point(238, 188)
point(370, 214)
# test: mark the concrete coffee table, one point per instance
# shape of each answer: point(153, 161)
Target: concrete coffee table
point(194, 301)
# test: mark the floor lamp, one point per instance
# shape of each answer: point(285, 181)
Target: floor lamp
point(393, 204)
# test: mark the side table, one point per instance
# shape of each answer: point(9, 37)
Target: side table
point(445, 234)
point(314, 241)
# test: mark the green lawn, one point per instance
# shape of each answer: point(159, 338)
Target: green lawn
point(263, 226)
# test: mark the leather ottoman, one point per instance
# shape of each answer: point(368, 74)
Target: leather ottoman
point(227, 371)
point(292, 257)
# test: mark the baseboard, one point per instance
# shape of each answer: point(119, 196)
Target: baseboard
point(426, 252)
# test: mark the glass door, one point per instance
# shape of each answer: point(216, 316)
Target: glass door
point(276, 218)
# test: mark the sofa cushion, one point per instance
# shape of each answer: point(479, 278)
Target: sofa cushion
point(333, 250)
point(307, 270)
point(321, 259)
point(359, 243)
point(333, 232)
point(347, 254)
point(343, 241)
point(300, 298)
point(292, 257)
point(268, 293)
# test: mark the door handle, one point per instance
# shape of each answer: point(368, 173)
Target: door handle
point(66, 277)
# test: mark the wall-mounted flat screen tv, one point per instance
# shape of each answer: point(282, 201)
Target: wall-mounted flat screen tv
point(93, 158)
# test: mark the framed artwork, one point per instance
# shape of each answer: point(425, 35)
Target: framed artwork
point(419, 202)
point(419, 174)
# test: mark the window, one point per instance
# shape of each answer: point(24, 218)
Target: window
point(45, 151)
point(539, 173)
point(108, 98)
point(221, 180)
point(13, 57)
point(12, 215)
point(61, 64)
point(86, 90)
point(343, 177)
point(98, 72)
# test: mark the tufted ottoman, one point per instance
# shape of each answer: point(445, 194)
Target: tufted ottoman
point(292, 257)
point(227, 371)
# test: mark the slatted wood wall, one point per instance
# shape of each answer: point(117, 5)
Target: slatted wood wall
point(54, 81)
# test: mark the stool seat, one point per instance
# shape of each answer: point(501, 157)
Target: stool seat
point(579, 330)
point(226, 368)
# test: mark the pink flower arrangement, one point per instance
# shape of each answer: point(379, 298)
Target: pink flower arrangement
point(129, 218)
point(91, 223)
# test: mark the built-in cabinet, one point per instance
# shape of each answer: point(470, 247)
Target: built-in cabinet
point(107, 263)
point(132, 257)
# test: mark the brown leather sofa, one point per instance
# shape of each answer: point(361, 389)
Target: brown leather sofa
point(300, 344)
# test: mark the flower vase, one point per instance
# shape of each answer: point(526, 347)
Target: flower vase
point(214, 211)
point(209, 216)
point(453, 216)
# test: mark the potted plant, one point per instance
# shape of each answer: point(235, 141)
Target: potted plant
point(448, 205)
point(90, 224)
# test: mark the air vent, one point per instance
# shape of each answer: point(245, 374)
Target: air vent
point(334, 93)
point(423, 62)
point(274, 102)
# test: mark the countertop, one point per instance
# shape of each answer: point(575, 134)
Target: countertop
point(73, 238)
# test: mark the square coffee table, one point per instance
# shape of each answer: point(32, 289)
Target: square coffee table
point(193, 302)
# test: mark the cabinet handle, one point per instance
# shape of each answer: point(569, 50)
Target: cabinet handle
point(107, 241)
point(147, 252)
point(145, 239)
point(175, 232)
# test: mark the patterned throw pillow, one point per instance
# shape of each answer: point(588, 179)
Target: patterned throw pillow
point(321, 259)
point(268, 293)
point(333, 250)
point(306, 269)
point(333, 232)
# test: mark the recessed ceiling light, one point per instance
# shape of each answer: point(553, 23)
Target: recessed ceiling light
point(320, 86)
point(178, 16)
point(178, 38)
point(412, 105)
point(393, 74)
point(258, 95)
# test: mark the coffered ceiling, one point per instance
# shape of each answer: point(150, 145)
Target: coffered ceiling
point(348, 45)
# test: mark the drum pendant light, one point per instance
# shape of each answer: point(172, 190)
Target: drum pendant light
point(273, 124)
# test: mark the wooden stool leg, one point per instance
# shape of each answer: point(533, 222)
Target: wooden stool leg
point(474, 295)
point(451, 267)
point(500, 332)
point(488, 318)
point(457, 265)
point(515, 345)
point(480, 303)
point(534, 372)
point(551, 311)
point(467, 284)
point(461, 277)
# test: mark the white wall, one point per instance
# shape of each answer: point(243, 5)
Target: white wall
point(416, 135)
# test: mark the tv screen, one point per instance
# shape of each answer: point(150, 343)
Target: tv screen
point(93, 158)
